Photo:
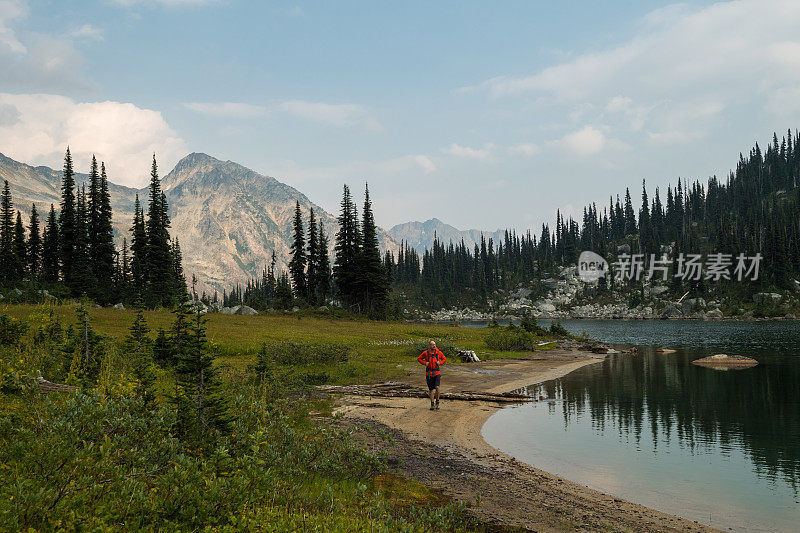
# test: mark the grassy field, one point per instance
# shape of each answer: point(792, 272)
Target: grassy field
point(103, 458)
point(377, 347)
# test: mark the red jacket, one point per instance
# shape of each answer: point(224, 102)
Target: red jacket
point(432, 361)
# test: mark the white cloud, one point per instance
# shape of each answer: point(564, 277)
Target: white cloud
point(524, 149)
point(715, 58)
point(346, 115)
point(227, 109)
point(11, 11)
point(586, 141)
point(167, 3)
point(465, 151)
point(40, 126)
point(338, 115)
point(36, 62)
point(89, 32)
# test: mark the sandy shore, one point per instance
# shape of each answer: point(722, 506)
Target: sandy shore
point(466, 467)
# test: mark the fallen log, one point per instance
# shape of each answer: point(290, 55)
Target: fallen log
point(393, 389)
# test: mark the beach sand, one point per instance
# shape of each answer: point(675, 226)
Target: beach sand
point(445, 449)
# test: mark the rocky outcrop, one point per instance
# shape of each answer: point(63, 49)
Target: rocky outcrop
point(766, 297)
point(723, 361)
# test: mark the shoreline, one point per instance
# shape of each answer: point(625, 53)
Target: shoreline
point(510, 492)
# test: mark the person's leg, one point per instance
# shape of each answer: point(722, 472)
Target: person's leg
point(437, 393)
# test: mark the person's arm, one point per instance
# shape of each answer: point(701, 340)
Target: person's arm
point(420, 359)
point(442, 358)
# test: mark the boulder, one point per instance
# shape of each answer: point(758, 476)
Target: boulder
point(468, 356)
point(245, 310)
point(796, 285)
point(623, 249)
point(119, 306)
point(545, 307)
point(723, 361)
point(692, 304)
point(766, 297)
point(550, 284)
point(658, 289)
point(714, 314)
point(227, 310)
point(671, 311)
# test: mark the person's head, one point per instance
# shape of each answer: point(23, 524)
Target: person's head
point(432, 345)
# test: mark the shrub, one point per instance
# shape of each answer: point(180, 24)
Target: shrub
point(11, 330)
point(559, 330)
point(295, 353)
point(511, 338)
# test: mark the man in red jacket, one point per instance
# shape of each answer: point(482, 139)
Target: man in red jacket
point(432, 358)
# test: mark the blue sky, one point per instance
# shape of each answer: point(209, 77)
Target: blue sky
point(483, 114)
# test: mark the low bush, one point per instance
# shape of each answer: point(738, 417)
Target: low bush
point(511, 338)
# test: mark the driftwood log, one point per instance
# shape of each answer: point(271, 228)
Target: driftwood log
point(394, 389)
point(46, 387)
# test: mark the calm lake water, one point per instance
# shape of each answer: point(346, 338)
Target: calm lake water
point(719, 447)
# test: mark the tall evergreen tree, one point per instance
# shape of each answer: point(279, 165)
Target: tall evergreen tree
point(372, 285)
point(8, 268)
point(313, 258)
point(34, 245)
point(103, 251)
point(50, 248)
point(82, 279)
point(297, 264)
point(93, 214)
point(67, 232)
point(160, 279)
point(138, 251)
point(347, 249)
point(20, 249)
point(323, 268)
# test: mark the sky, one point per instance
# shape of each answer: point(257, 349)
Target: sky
point(483, 114)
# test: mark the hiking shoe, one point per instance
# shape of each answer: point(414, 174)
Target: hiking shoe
point(437, 405)
point(432, 406)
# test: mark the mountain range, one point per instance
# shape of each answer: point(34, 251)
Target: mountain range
point(228, 218)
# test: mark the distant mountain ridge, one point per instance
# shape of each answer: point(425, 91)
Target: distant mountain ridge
point(420, 235)
point(227, 217)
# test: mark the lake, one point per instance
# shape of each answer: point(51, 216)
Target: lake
point(719, 447)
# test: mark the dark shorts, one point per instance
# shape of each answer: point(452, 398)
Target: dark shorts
point(433, 381)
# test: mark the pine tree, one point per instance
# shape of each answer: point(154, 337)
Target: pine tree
point(323, 268)
point(67, 232)
point(313, 258)
point(20, 249)
point(177, 272)
point(160, 284)
point(372, 285)
point(103, 251)
point(8, 270)
point(50, 248)
point(297, 264)
point(202, 410)
point(346, 248)
point(82, 280)
point(138, 251)
point(34, 245)
point(93, 215)
point(138, 348)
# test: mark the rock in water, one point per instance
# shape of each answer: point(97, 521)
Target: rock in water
point(723, 361)
point(665, 350)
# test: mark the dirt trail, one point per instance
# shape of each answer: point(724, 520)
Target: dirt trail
point(445, 449)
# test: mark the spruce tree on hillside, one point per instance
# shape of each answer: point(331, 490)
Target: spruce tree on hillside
point(645, 226)
point(66, 222)
point(50, 248)
point(630, 217)
point(323, 268)
point(103, 251)
point(179, 280)
point(20, 249)
point(138, 251)
point(372, 284)
point(347, 249)
point(8, 269)
point(82, 279)
point(159, 266)
point(93, 213)
point(297, 264)
point(313, 258)
point(34, 245)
